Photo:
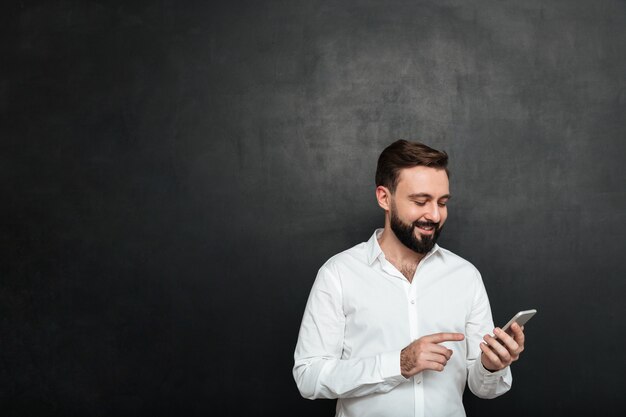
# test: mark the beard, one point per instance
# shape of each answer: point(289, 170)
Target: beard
point(405, 233)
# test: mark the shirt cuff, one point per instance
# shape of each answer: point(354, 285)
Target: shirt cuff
point(489, 374)
point(390, 367)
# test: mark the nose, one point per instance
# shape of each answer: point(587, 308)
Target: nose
point(433, 214)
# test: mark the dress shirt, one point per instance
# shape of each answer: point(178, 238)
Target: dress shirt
point(362, 312)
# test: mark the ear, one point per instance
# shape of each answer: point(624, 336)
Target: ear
point(383, 196)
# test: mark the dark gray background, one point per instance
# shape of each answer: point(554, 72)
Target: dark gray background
point(174, 173)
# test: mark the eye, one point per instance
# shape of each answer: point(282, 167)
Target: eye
point(420, 203)
point(442, 203)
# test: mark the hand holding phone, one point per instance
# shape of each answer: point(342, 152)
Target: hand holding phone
point(494, 357)
point(520, 318)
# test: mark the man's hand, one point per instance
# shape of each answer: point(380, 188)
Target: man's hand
point(426, 353)
point(500, 353)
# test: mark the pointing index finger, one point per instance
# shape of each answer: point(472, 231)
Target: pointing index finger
point(444, 337)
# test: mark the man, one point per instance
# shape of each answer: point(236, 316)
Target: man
point(397, 325)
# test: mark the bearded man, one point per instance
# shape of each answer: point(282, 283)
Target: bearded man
point(397, 326)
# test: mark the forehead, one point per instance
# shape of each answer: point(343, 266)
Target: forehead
point(421, 179)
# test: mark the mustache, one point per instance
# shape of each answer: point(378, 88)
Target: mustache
point(418, 223)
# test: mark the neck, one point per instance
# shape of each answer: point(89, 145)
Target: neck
point(396, 253)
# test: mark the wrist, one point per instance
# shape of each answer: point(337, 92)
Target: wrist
point(405, 363)
point(485, 367)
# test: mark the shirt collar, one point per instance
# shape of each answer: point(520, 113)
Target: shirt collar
point(374, 251)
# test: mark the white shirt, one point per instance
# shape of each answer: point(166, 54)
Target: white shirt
point(362, 312)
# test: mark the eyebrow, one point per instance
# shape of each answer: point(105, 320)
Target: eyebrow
point(426, 195)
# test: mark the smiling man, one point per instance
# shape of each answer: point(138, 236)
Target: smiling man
point(396, 326)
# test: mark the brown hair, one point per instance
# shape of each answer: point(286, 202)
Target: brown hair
point(404, 154)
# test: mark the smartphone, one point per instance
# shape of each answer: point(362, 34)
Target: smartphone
point(520, 318)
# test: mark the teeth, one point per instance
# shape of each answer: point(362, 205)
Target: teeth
point(428, 228)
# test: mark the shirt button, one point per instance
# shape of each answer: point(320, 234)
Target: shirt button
point(412, 301)
point(419, 381)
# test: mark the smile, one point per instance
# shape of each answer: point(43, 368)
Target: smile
point(426, 228)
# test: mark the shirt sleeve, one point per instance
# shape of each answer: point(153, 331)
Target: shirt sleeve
point(481, 382)
point(319, 370)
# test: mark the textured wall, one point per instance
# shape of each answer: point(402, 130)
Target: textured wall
point(175, 173)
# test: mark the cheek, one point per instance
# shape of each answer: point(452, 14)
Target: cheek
point(408, 211)
point(414, 213)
